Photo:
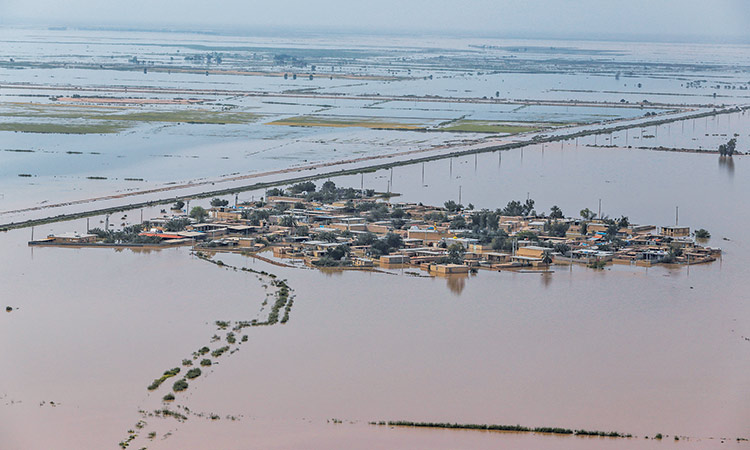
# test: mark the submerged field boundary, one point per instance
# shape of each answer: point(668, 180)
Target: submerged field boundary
point(538, 139)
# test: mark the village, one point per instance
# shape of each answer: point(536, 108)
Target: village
point(333, 227)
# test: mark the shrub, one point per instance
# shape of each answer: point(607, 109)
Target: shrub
point(180, 385)
point(169, 397)
point(193, 373)
point(205, 362)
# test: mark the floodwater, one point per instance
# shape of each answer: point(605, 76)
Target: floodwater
point(635, 350)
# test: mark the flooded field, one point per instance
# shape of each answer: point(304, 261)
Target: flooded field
point(645, 351)
point(102, 112)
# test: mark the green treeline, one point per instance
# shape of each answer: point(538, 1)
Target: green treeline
point(492, 427)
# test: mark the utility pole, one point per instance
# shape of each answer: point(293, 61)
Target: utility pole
point(87, 228)
point(422, 173)
point(676, 215)
point(459, 194)
point(600, 209)
point(361, 185)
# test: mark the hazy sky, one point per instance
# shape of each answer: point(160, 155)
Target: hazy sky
point(660, 19)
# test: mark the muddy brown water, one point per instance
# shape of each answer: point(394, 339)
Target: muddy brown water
point(635, 350)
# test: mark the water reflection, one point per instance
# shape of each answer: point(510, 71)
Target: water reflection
point(456, 283)
point(546, 279)
point(726, 164)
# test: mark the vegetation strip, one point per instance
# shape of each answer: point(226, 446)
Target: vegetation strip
point(283, 300)
point(514, 428)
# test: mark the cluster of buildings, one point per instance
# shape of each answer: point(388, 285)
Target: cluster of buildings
point(347, 234)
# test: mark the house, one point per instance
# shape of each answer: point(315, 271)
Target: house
point(533, 251)
point(428, 235)
point(447, 269)
point(675, 231)
point(394, 259)
point(73, 238)
point(362, 262)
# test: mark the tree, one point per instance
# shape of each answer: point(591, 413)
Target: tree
point(255, 216)
point(326, 236)
point(366, 239)
point(623, 222)
point(547, 259)
point(452, 206)
point(199, 213)
point(456, 253)
point(398, 213)
point(562, 248)
point(176, 225)
point(587, 214)
point(275, 192)
point(338, 252)
point(178, 205)
point(328, 186)
point(555, 212)
point(288, 221)
point(528, 207)
point(530, 235)
point(217, 202)
point(390, 241)
point(731, 146)
point(458, 223)
point(702, 234)
point(513, 208)
point(612, 230)
point(307, 186)
point(555, 228)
